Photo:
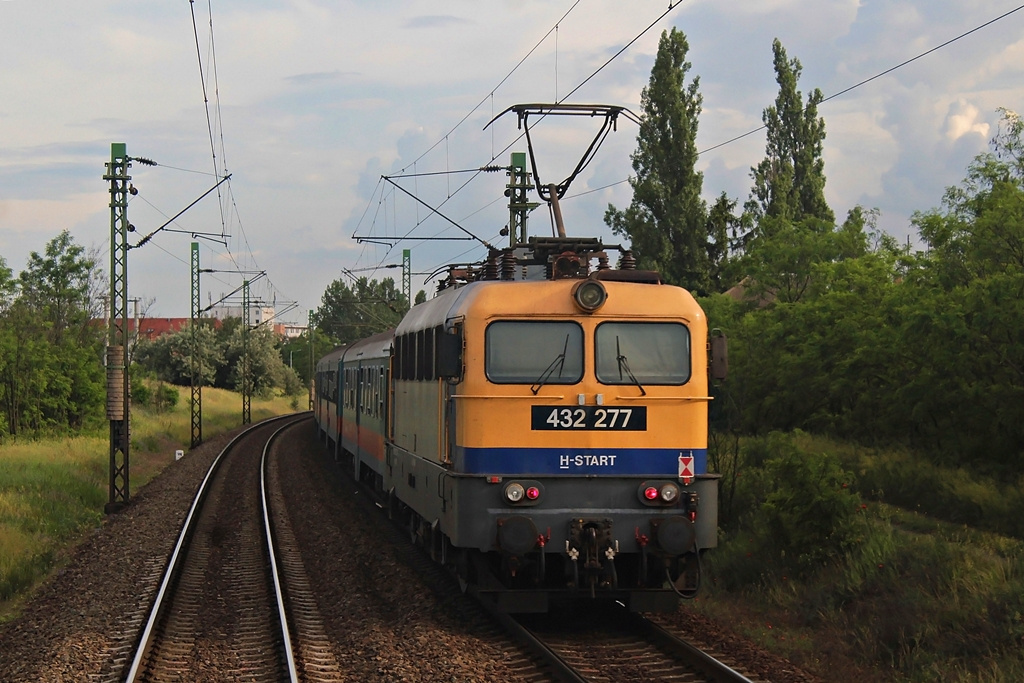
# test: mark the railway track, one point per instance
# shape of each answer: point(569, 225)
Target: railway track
point(606, 643)
point(221, 611)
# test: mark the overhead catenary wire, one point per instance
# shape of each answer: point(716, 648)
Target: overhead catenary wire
point(495, 155)
point(878, 75)
point(833, 95)
point(503, 151)
point(215, 132)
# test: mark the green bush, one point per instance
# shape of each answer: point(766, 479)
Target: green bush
point(166, 397)
point(140, 392)
point(811, 510)
point(800, 511)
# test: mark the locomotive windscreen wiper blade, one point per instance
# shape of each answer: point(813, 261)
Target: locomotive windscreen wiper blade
point(559, 361)
point(624, 365)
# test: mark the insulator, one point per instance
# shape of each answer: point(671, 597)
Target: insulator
point(602, 262)
point(115, 383)
point(626, 261)
point(508, 265)
point(491, 265)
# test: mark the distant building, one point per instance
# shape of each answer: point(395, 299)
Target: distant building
point(289, 330)
point(258, 315)
point(151, 328)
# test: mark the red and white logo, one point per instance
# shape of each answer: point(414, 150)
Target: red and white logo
point(686, 472)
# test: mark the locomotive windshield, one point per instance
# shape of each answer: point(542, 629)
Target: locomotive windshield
point(530, 352)
point(642, 353)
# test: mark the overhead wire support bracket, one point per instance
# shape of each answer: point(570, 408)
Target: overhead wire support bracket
point(175, 216)
point(392, 241)
point(609, 112)
point(432, 210)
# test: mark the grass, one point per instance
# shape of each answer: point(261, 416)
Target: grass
point(914, 598)
point(53, 490)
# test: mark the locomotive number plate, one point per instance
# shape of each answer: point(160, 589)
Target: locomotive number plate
point(588, 417)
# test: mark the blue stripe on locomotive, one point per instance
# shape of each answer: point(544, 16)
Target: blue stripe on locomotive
point(662, 462)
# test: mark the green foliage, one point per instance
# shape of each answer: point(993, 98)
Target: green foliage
point(297, 355)
point(667, 222)
point(790, 183)
point(348, 314)
point(920, 598)
point(801, 504)
point(170, 356)
point(220, 356)
point(53, 490)
point(258, 353)
point(846, 333)
point(50, 372)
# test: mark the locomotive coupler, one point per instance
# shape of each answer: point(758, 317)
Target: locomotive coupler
point(591, 541)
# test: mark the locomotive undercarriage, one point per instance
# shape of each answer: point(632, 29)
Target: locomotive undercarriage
point(523, 570)
point(589, 567)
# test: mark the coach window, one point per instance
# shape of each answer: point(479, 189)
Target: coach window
point(372, 378)
point(367, 397)
point(528, 352)
point(642, 353)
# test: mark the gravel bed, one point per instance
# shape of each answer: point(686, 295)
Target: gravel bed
point(83, 619)
point(385, 622)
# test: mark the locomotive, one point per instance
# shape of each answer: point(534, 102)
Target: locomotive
point(540, 425)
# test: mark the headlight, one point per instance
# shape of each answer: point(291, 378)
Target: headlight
point(589, 295)
point(669, 493)
point(514, 493)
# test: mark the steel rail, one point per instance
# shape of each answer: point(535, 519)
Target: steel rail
point(282, 613)
point(718, 671)
point(561, 668)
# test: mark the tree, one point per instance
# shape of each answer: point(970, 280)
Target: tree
point(666, 222)
point(967, 319)
point(722, 221)
point(170, 356)
point(348, 314)
point(789, 183)
point(50, 368)
point(57, 285)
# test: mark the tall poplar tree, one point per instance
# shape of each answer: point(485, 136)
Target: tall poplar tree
point(667, 222)
point(789, 183)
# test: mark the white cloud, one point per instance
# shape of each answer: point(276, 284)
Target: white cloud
point(963, 120)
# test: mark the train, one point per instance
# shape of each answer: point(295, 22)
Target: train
point(540, 426)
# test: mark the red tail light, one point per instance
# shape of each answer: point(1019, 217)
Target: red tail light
point(651, 493)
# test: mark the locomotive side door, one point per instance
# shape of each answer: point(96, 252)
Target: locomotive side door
point(449, 371)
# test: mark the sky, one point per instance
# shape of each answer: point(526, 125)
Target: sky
point(308, 103)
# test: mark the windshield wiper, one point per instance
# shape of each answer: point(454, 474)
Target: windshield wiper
point(624, 365)
point(559, 361)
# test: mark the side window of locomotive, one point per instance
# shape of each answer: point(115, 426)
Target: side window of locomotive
point(525, 352)
point(644, 353)
point(396, 357)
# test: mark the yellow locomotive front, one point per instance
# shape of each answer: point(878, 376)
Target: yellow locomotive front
point(559, 440)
